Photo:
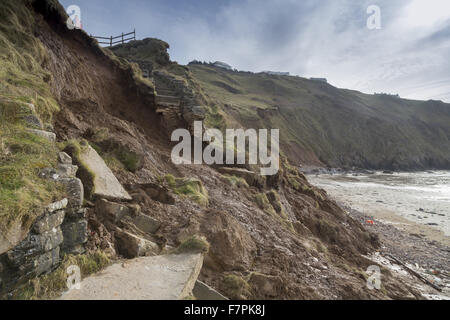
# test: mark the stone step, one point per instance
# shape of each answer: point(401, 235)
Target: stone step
point(165, 92)
point(204, 292)
point(162, 105)
point(170, 99)
point(166, 277)
point(162, 85)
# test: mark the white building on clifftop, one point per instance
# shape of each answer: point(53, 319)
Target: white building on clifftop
point(319, 79)
point(276, 73)
point(222, 65)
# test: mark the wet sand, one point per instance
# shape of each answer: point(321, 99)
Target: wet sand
point(399, 209)
point(417, 203)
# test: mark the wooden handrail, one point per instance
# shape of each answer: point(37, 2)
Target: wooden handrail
point(111, 38)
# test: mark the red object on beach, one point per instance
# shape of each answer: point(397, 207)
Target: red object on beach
point(370, 222)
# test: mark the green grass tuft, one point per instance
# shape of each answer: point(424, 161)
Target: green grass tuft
point(236, 182)
point(111, 150)
point(234, 287)
point(188, 187)
point(194, 244)
point(23, 79)
point(22, 193)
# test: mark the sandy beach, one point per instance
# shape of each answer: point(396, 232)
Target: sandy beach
point(410, 214)
point(414, 202)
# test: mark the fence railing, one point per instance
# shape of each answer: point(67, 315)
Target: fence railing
point(112, 40)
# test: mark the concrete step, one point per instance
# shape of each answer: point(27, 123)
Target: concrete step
point(162, 105)
point(166, 110)
point(204, 292)
point(170, 99)
point(166, 92)
point(167, 277)
point(162, 85)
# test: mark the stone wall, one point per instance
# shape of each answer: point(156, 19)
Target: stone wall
point(60, 229)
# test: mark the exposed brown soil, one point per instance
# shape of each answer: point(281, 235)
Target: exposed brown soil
point(319, 258)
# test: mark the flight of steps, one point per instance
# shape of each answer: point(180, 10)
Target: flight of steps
point(168, 104)
point(166, 97)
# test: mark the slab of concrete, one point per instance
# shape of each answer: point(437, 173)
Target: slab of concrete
point(166, 277)
point(106, 184)
point(204, 292)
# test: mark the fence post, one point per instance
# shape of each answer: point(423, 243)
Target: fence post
point(122, 38)
point(134, 34)
point(110, 42)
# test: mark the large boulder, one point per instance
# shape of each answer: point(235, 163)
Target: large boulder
point(111, 212)
point(231, 246)
point(131, 246)
point(105, 184)
point(146, 223)
point(116, 214)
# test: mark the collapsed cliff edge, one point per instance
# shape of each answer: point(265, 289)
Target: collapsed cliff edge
point(86, 179)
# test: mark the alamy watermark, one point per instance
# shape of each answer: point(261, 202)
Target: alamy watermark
point(74, 20)
point(235, 147)
point(374, 20)
point(374, 279)
point(74, 277)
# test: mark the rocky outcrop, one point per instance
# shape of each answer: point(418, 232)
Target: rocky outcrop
point(105, 183)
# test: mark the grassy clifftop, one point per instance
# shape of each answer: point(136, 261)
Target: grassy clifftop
point(322, 124)
point(24, 92)
point(319, 124)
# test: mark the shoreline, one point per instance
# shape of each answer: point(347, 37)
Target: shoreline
point(318, 170)
point(422, 248)
point(426, 257)
point(416, 202)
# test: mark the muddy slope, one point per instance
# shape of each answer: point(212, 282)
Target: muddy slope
point(300, 247)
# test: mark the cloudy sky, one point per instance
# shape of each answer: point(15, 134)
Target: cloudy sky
point(409, 54)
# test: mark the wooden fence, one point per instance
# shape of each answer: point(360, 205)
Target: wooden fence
point(113, 40)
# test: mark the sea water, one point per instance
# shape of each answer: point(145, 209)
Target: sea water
point(422, 197)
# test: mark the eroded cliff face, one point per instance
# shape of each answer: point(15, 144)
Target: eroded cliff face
point(280, 238)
